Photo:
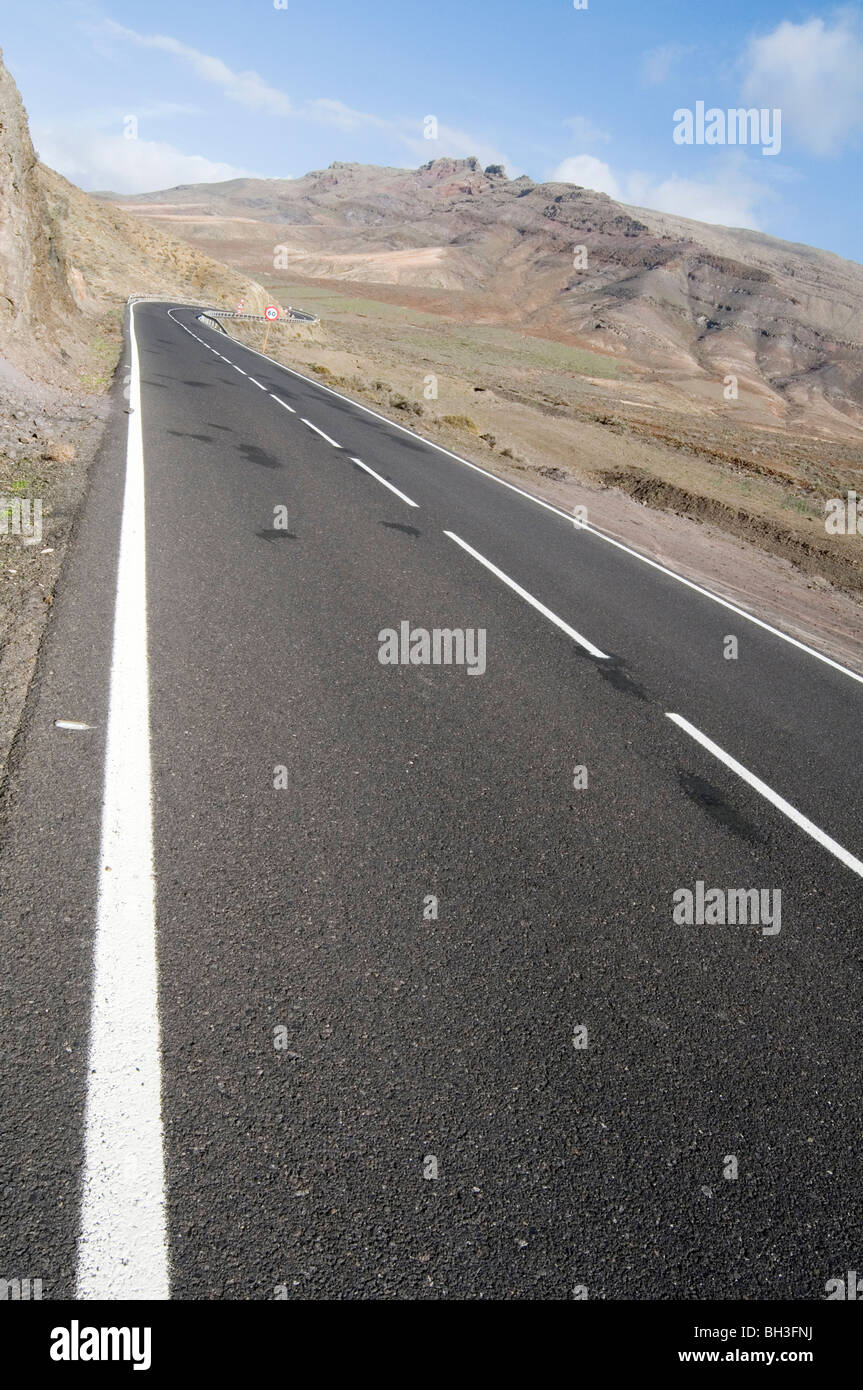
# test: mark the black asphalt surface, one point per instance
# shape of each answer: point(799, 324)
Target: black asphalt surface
point(303, 909)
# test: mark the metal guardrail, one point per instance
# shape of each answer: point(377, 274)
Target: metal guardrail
point(298, 315)
point(293, 315)
point(167, 298)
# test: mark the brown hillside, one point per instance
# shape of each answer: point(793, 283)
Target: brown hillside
point(67, 264)
point(677, 301)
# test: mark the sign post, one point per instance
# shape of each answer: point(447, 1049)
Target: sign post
point(271, 313)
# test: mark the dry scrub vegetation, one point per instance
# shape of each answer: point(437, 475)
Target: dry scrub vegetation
point(528, 409)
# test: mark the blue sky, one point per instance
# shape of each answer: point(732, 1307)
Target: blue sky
point(236, 87)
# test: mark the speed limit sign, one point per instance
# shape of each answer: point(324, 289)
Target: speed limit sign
point(271, 312)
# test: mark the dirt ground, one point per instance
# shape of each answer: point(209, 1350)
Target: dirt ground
point(731, 504)
point(48, 439)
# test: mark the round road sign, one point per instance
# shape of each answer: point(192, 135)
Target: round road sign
point(271, 312)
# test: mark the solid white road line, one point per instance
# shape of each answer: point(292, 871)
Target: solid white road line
point(320, 432)
point(558, 511)
point(582, 526)
point(284, 403)
point(122, 1250)
point(725, 603)
point(529, 598)
point(404, 498)
point(773, 797)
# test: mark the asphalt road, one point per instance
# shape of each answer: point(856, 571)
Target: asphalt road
point(312, 1044)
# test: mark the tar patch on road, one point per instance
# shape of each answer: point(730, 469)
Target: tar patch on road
point(400, 526)
point(711, 800)
point(613, 671)
point(253, 454)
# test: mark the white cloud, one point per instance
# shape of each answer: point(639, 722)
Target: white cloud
point(332, 112)
point(247, 88)
point(731, 198)
point(166, 110)
point(587, 172)
point(812, 71)
point(584, 132)
point(723, 200)
point(656, 64)
point(95, 160)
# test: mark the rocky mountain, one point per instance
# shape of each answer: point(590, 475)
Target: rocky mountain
point(679, 300)
point(34, 272)
point(67, 263)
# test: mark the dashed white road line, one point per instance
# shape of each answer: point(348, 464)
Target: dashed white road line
point(239, 369)
point(377, 476)
point(320, 432)
point(257, 383)
point(283, 403)
point(529, 598)
point(583, 526)
point(558, 511)
point(122, 1248)
point(849, 860)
